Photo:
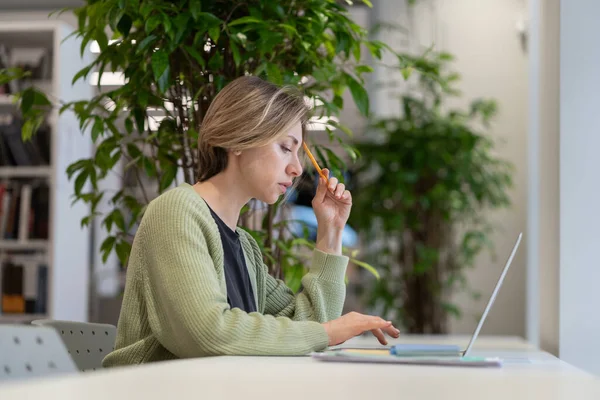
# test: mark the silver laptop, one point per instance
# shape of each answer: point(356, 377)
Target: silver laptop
point(493, 296)
point(449, 350)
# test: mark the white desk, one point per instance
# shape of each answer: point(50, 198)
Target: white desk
point(304, 378)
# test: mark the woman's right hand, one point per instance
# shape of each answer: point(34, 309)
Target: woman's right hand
point(353, 324)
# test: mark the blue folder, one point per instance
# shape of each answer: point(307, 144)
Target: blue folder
point(424, 349)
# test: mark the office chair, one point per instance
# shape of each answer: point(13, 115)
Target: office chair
point(87, 343)
point(32, 351)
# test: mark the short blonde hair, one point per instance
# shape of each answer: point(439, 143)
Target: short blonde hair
point(248, 112)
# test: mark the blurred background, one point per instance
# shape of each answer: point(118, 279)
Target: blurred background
point(459, 154)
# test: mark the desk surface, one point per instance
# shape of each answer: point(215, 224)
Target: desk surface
point(544, 377)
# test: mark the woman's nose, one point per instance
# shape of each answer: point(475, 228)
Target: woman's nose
point(295, 168)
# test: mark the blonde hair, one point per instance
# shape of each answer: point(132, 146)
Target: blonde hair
point(248, 112)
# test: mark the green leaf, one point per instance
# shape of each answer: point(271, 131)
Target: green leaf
point(214, 33)
point(161, 69)
point(338, 101)
point(97, 129)
point(140, 117)
point(216, 62)
point(27, 100)
point(406, 72)
point(274, 73)
point(80, 181)
point(30, 127)
point(107, 246)
point(368, 3)
point(368, 267)
point(195, 8)
point(168, 25)
point(181, 23)
point(361, 69)
point(152, 23)
point(194, 53)
point(81, 74)
point(124, 25)
point(359, 95)
point(167, 177)
point(123, 249)
point(118, 219)
point(129, 125)
point(146, 42)
point(210, 19)
point(246, 20)
point(235, 52)
point(352, 152)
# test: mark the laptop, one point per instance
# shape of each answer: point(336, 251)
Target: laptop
point(431, 352)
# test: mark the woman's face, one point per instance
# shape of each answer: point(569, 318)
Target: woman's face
point(268, 171)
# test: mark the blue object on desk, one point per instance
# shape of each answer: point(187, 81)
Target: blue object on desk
point(425, 349)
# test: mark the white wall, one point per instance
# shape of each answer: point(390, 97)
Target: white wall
point(489, 55)
point(493, 63)
point(579, 183)
point(543, 209)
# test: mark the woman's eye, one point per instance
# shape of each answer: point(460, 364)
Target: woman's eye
point(285, 149)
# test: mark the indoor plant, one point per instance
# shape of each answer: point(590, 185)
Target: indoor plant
point(175, 56)
point(426, 177)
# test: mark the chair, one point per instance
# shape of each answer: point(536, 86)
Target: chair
point(88, 343)
point(32, 351)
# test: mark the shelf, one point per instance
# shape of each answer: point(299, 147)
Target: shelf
point(29, 245)
point(6, 102)
point(43, 171)
point(20, 318)
point(23, 36)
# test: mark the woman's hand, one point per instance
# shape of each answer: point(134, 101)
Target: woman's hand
point(332, 204)
point(353, 324)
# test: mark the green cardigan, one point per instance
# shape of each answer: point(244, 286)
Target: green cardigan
point(175, 300)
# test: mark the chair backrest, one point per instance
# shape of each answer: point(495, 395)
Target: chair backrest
point(88, 343)
point(32, 351)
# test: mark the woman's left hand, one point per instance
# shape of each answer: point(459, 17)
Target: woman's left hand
point(331, 204)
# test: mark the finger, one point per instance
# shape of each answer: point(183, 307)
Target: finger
point(339, 190)
point(379, 335)
point(376, 323)
point(321, 191)
point(392, 331)
point(332, 184)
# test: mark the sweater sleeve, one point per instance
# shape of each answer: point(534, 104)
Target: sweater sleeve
point(188, 312)
point(323, 289)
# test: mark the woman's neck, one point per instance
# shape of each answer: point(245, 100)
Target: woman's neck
point(224, 196)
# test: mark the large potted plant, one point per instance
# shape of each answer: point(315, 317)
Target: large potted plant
point(426, 178)
point(175, 56)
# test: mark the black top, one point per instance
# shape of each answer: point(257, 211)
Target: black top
point(239, 288)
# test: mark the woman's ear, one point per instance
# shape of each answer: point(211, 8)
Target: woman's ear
point(237, 152)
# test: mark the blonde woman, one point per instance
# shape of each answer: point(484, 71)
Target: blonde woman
point(196, 284)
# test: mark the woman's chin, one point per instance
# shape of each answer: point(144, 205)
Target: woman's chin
point(271, 199)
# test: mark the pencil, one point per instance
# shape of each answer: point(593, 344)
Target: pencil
point(314, 162)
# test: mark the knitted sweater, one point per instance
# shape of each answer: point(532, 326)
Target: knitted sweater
point(175, 300)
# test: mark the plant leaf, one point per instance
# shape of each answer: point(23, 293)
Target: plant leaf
point(161, 69)
point(359, 95)
point(246, 20)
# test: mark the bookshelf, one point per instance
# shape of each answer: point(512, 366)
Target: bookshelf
point(46, 252)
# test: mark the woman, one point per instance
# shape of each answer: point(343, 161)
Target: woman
point(196, 284)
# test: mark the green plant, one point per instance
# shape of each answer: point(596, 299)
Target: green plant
point(425, 179)
point(175, 56)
